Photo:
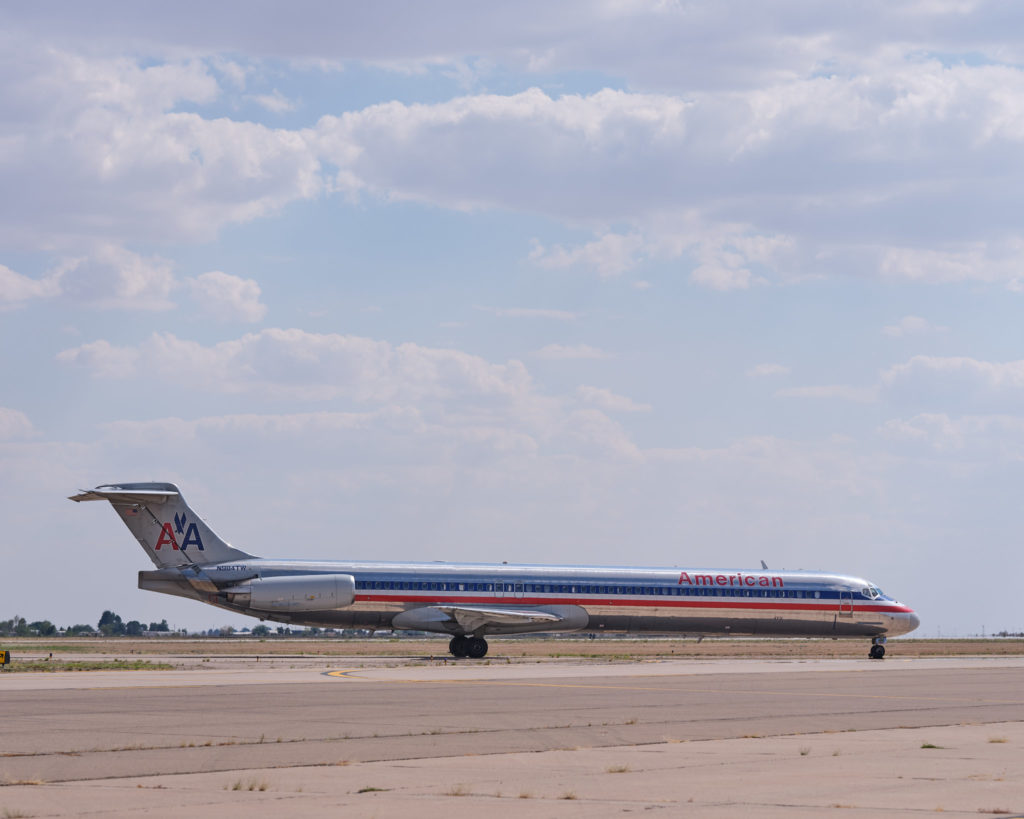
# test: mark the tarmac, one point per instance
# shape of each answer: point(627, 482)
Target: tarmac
point(757, 738)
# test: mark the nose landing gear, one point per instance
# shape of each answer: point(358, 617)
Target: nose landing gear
point(877, 651)
point(464, 646)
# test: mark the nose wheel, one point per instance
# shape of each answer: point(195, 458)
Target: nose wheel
point(472, 647)
point(877, 651)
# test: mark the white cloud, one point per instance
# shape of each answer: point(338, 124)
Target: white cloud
point(275, 102)
point(956, 384)
point(979, 438)
point(651, 44)
point(114, 277)
point(773, 180)
point(784, 179)
point(440, 387)
point(531, 312)
point(14, 425)
point(557, 352)
point(768, 369)
point(722, 254)
point(842, 392)
point(982, 261)
point(315, 366)
point(16, 289)
point(911, 325)
point(98, 152)
point(103, 359)
point(609, 256)
point(724, 273)
point(607, 400)
point(227, 298)
point(958, 371)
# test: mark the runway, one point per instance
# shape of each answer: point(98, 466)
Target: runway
point(186, 738)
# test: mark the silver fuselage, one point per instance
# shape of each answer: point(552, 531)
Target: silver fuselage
point(586, 598)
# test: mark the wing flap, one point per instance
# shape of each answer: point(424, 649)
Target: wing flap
point(472, 618)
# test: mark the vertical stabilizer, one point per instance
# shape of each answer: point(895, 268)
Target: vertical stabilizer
point(166, 527)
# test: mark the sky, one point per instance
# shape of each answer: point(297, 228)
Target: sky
point(622, 283)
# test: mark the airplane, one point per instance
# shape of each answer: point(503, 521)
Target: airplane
point(471, 600)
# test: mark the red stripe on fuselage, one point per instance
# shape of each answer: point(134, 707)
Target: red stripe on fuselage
point(674, 602)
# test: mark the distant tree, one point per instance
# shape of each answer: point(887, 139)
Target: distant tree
point(312, 631)
point(79, 628)
point(44, 628)
point(133, 628)
point(260, 631)
point(161, 626)
point(111, 623)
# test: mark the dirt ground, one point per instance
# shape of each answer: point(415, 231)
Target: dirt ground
point(514, 648)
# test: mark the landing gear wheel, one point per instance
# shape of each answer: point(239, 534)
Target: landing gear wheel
point(459, 646)
point(476, 647)
point(877, 652)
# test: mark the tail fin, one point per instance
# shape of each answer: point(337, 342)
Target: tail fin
point(170, 532)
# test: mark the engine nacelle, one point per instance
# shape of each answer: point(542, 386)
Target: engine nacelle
point(308, 592)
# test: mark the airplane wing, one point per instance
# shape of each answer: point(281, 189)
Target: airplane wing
point(471, 618)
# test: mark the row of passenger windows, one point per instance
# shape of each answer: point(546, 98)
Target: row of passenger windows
point(584, 588)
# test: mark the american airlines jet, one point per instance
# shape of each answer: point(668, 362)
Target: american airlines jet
point(471, 600)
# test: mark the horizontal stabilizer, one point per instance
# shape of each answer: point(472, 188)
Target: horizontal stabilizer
point(166, 527)
point(117, 494)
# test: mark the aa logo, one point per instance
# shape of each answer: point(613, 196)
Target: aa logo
point(183, 527)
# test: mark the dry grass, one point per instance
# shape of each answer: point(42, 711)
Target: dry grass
point(58, 664)
point(250, 785)
point(531, 648)
point(457, 790)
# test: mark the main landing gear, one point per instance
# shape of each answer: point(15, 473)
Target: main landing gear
point(474, 647)
point(877, 651)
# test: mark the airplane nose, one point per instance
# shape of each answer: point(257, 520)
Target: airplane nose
point(913, 621)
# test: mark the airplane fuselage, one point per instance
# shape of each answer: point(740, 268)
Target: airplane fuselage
point(587, 598)
point(471, 600)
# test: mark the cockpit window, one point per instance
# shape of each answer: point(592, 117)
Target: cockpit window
point(871, 593)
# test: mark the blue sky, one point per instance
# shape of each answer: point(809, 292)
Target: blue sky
point(692, 284)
